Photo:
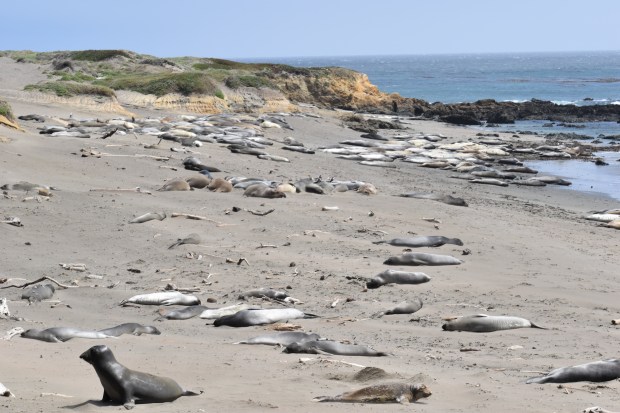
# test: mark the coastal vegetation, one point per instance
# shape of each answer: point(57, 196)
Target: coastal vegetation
point(6, 111)
point(70, 89)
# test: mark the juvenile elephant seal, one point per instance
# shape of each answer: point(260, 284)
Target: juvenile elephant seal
point(192, 238)
point(194, 164)
point(148, 217)
point(397, 277)
point(198, 181)
point(332, 347)
point(175, 185)
point(39, 293)
point(268, 293)
point(61, 334)
point(283, 338)
point(247, 318)
point(125, 386)
point(163, 298)
point(130, 328)
point(382, 393)
point(182, 313)
point(220, 185)
point(597, 371)
point(262, 191)
point(406, 307)
point(417, 242)
point(420, 258)
point(367, 189)
point(482, 323)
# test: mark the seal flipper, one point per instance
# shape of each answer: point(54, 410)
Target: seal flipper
point(535, 326)
point(537, 380)
point(380, 242)
point(105, 397)
point(192, 393)
point(308, 315)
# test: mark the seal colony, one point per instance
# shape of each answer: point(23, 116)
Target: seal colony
point(325, 257)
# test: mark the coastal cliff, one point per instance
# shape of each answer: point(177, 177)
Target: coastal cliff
point(118, 80)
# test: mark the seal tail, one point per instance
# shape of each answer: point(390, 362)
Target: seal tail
point(325, 399)
point(537, 380)
point(308, 315)
point(192, 393)
point(379, 242)
point(532, 325)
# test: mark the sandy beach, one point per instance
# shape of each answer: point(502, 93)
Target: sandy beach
point(530, 254)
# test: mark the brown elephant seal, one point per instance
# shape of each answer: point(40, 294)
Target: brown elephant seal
point(250, 317)
point(287, 188)
point(597, 371)
point(283, 338)
point(39, 293)
point(61, 334)
point(263, 191)
point(332, 347)
point(406, 307)
point(125, 386)
point(421, 258)
point(220, 185)
point(367, 189)
point(397, 277)
point(176, 184)
point(130, 328)
point(198, 181)
point(192, 238)
point(382, 393)
point(482, 323)
point(421, 241)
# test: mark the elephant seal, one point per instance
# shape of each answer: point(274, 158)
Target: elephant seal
point(406, 307)
point(269, 293)
point(263, 191)
point(287, 188)
point(397, 277)
point(182, 313)
point(420, 258)
point(148, 217)
point(332, 347)
point(213, 313)
point(482, 323)
point(163, 298)
point(130, 328)
point(382, 393)
point(597, 371)
point(220, 185)
point(39, 293)
point(125, 386)
point(194, 164)
point(198, 181)
point(446, 199)
point(176, 184)
point(417, 242)
point(192, 238)
point(552, 180)
point(247, 318)
point(283, 338)
point(61, 334)
point(488, 181)
point(367, 189)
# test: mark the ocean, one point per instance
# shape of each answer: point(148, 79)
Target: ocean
point(579, 78)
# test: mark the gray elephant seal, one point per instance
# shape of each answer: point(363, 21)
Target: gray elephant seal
point(213, 313)
point(482, 323)
point(192, 238)
point(39, 293)
point(283, 338)
point(597, 371)
point(397, 277)
point(382, 393)
point(130, 328)
point(263, 191)
point(247, 318)
point(417, 242)
point(406, 307)
point(420, 258)
point(163, 298)
point(61, 334)
point(332, 347)
point(182, 313)
point(446, 199)
point(125, 386)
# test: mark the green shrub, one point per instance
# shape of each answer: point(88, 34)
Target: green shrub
point(6, 111)
point(98, 55)
point(75, 77)
point(188, 83)
point(68, 89)
point(219, 94)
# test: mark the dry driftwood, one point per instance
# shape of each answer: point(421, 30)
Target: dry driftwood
point(136, 189)
point(39, 280)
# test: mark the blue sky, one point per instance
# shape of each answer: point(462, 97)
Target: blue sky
point(284, 28)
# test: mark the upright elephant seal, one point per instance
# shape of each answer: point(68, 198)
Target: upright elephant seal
point(39, 292)
point(382, 393)
point(422, 241)
point(283, 338)
point(597, 371)
point(482, 323)
point(125, 386)
point(247, 318)
point(397, 277)
point(332, 347)
point(421, 258)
